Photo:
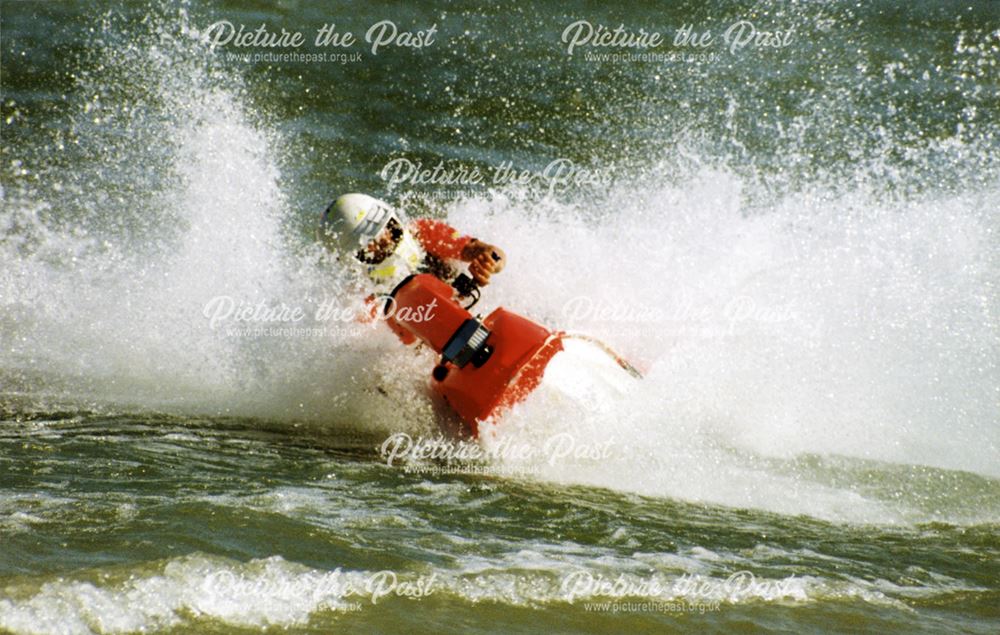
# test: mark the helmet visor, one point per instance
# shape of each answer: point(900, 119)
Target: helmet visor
point(383, 245)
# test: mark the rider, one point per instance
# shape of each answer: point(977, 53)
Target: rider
point(391, 249)
point(376, 237)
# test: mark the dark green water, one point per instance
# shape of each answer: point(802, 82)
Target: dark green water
point(797, 244)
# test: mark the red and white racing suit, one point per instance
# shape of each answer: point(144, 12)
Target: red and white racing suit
point(424, 248)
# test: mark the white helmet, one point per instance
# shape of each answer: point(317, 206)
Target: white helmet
point(354, 220)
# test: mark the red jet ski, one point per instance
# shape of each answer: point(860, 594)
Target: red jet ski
point(487, 364)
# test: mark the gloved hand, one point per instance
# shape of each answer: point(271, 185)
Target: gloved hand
point(484, 260)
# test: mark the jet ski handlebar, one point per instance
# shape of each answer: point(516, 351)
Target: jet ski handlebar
point(466, 287)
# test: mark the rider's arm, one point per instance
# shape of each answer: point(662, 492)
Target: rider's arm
point(440, 238)
point(444, 241)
